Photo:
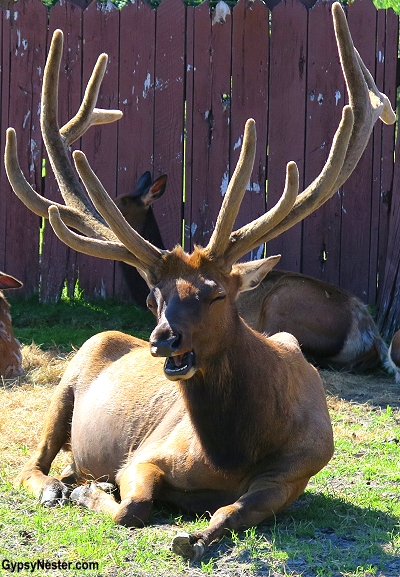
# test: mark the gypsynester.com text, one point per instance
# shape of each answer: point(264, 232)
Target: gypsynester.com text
point(48, 565)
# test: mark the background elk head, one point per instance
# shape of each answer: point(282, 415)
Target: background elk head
point(137, 208)
point(10, 348)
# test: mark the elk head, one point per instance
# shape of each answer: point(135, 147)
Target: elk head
point(136, 206)
point(192, 295)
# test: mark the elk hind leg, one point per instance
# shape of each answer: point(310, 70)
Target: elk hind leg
point(56, 433)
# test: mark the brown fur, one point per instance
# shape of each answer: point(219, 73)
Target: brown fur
point(240, 437)
point(393, 359)
point(333, 327)
point(10, 347)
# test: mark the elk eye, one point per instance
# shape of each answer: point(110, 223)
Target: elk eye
point(151, 304)
point(219, 297)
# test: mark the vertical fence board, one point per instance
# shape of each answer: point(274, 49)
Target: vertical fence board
point(376, 235)
point(27, 43)
point(389, 304)
point(169, 107)
point(357, 191)
point(208, 126)
point(387, 157)
point(250, 43)
point(101, 33)
point(325, 101)
point(137, 39)
point(286, 114)
point(6, 89)
point(58, 260)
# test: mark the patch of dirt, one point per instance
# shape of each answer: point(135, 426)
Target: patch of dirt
point(377, 389)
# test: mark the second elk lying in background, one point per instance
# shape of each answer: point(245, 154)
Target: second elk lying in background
point(219, 417)
point(334, 328)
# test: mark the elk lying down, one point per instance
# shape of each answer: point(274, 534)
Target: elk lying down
point(333, 327)
point(220, 418)
point(137, 208)
point(10, 347)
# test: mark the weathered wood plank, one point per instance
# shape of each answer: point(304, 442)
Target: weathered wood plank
point(137, 41)
point(377, 235)
point(169, 114)
point(325, 101)
point(26, 50)
point(5, 102)
point(286, 115)
point(249, 99)
point(388, 138)
point(208, 130)
point(357, 191)
point(389, 304)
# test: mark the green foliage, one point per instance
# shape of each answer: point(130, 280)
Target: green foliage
point(70, 322)
point(119, 4)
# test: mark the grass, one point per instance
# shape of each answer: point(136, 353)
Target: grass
point(347, 523)
point(70, 322)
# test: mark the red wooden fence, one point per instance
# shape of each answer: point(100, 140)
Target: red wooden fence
point(186, 86)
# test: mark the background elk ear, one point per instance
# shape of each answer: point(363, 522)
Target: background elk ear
point(143, 184)
point(8, 282)
point(155, 191)
point(254, 271)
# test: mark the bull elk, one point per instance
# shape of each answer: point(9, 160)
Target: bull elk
point(10, 348)
point(137, 208)
point(219, 417)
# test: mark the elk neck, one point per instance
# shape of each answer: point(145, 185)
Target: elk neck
point(232, 402)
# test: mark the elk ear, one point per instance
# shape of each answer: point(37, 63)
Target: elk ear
point(155, 191)
point(143, 184)
point(8, 282)
point(252, 272)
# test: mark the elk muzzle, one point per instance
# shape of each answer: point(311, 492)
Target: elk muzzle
point(165, 342)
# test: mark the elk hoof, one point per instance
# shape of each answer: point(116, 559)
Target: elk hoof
point(55, 494)
point(82, 494)
point(186, 546)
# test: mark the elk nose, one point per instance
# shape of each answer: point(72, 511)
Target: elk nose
point(164, 345)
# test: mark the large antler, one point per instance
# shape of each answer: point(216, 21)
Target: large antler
point(77, 212)
point(366, 105)
point(121, 242)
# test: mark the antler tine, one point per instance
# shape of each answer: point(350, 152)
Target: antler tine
point(143, 250)
point(249, 234)
point(91, 246)
point(36, 203)
point(56, 143)
point(367, 104)
point(234, 195)
point(87, 114)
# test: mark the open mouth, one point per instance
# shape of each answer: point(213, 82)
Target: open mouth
point(180, 366)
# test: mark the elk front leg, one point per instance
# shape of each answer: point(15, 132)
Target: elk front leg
point(263, 499)
point(138, 485)
point(56, 432)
